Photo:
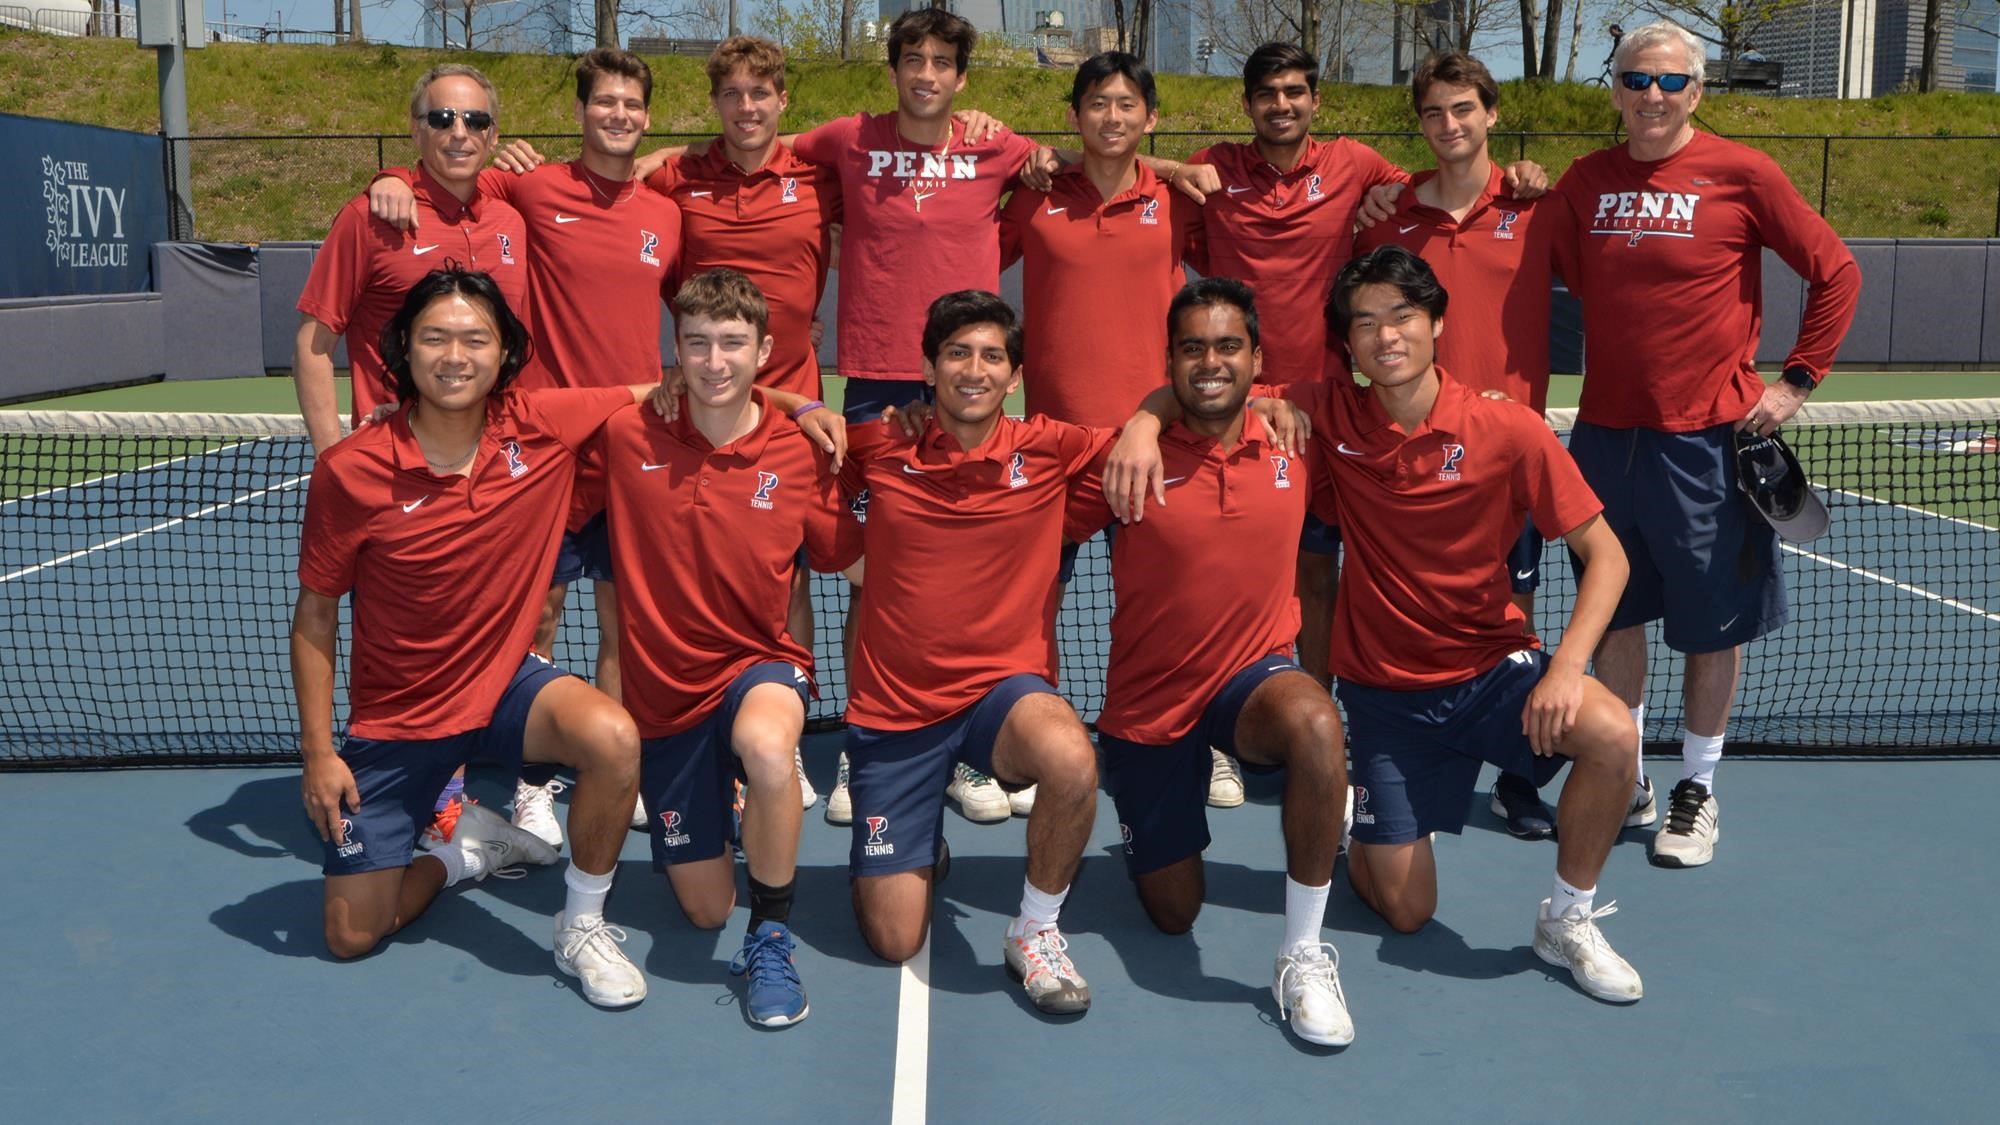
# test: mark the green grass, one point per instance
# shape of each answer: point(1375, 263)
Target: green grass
point(1935, 186)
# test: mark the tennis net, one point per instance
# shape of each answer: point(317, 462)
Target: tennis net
point(147, 569)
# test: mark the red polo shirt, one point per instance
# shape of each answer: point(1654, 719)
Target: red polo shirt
point(1426, 519)
point(773, 226)
point(365, 267)
point(1287, 234)
point(447, 573)
point(1197, 599)
point(1494, 265)
point(703, 541)
point(920, 223)
point(1099, 276)
point(962, 552)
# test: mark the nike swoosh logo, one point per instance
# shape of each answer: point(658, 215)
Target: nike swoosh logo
point(916, 472)
point(1523, 575)
point(1407, 229)
point(1172, 481)
point(645, 467)
point(420, 251)
point(1727, 624)
point(562, 218)
point(699, 194)
point(1701, 183)
point(1055, 210)
point(1350, 452)
point(415, 504)
point(1234, 190)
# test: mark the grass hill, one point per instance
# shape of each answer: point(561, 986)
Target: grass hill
point(1939, 176)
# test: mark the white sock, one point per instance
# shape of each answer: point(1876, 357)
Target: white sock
point(1039, 910)
point(1565, 896)
point(1305, 913)
point(458, 866)
point(1639, 775)
point(1698, 757)
point(586, 893)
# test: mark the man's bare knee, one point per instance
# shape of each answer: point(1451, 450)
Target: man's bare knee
point(347, 943)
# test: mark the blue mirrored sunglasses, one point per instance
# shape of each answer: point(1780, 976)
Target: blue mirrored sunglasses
point(1638, 80)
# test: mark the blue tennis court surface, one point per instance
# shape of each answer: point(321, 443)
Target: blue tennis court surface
point(165, 964)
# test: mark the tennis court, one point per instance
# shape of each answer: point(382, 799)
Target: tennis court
point(168, 962)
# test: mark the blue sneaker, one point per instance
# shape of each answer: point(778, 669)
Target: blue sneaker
point(773, 996)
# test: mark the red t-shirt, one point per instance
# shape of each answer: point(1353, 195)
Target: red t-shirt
point(920, 223)
point(603, 255)
point(1198, 598)
point(703, 541)
point(365, 268)
point(962, 552)
point(1667, 261)
point(772, 225)
point(1099, 276)
point(447, 572)
point(1495, 267)
point(1286, 234)
point(1426, 519)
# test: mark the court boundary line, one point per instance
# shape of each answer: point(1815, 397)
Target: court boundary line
point(46, 492)
point(913, 1038)
point(145, 531)
point(1954, 603)
point(1914, 510)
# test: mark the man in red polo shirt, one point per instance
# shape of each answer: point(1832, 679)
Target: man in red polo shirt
point(365, 265)
point(441, 521)
point(1190, 670)
point(1489, 252)
point(972, 507)
point(708, 515)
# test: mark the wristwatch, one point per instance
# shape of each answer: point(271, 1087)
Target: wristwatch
point(1799, 377)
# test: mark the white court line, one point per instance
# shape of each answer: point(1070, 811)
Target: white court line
point(123, 472)
point(1903, 586)
point(913, 1038)
point(1912, 510)
point(162, 526)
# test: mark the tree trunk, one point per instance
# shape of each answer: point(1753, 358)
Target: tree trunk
point(1927, 71)
point(354, 21)
point(1575, 38)
point(1551, 36)
point(339, 18)
point(1309, 27)
point(1528, 19)
point(1118, 19)
point(607, 23)
point(846, 28)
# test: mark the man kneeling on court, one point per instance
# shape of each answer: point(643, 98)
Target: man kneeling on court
point(1201, 652)
point(953, 647)
point(709, 515)
point(443, 520)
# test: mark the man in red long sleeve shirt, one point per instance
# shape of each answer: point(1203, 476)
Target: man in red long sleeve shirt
point(1666, 253)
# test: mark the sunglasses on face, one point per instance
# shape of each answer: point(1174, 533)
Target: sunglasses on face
point(1637, 81)
point(478, 120)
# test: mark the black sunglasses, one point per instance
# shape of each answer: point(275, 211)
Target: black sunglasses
point(1637, 80)
point(478, 120)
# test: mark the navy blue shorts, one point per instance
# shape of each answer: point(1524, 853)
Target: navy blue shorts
point(585, 553)
point(399, 780)
point(1702, 561)
point(1524, 562)
point(1317, 537)
point(897, 778)
point(688, 780)
point(864, 400)
point(1161, 792)
point(1415, 755)
point(1066, 569)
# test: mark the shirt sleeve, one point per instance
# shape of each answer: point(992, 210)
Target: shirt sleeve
point(833, 540)
point(494, 183)
point(1374, 168)
point(573, 415)
point(335, 527)
point(864, 442)
point(593, 486)
point(1807, 244)
point(1546, 480)
point(1079, 447)
point(340, 268)
point(829, 142)
point(1086, 512)
point(667, 176)
point(1014, 220)
point(1190, 223)
point(1015, 150)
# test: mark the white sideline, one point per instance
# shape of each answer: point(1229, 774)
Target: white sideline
point(913, 1038)
point(162, 526)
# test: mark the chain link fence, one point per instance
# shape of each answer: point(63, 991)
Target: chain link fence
point(250, 188)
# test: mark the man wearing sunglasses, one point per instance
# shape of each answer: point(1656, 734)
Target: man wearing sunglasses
point(1666, 254)
point(365, 266)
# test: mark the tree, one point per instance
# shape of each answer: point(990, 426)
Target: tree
point(1529, 61)
point(1551, 35)
point(1732, 25)
point(606, 22)
point(1134, 21)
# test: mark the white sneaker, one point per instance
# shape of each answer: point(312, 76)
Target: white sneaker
point(1573, 941)
point(839, 803)
point(979, 797)
point(589, 952)
point(535, 810)
point(1694, 824)
point(1022, 801)
point(638, 812)
point(1225, 781)
point(481, 828)
point(1040, 961)
point(1306, 984)
point(808, 796)
point(1644, 810)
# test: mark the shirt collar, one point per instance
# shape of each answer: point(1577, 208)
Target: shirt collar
point(1447, 414)
point(442, 201)
point(945, 447)
point(749, 447)
point(1255, 434)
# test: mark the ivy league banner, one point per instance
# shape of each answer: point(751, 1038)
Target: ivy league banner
point(80, 208)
